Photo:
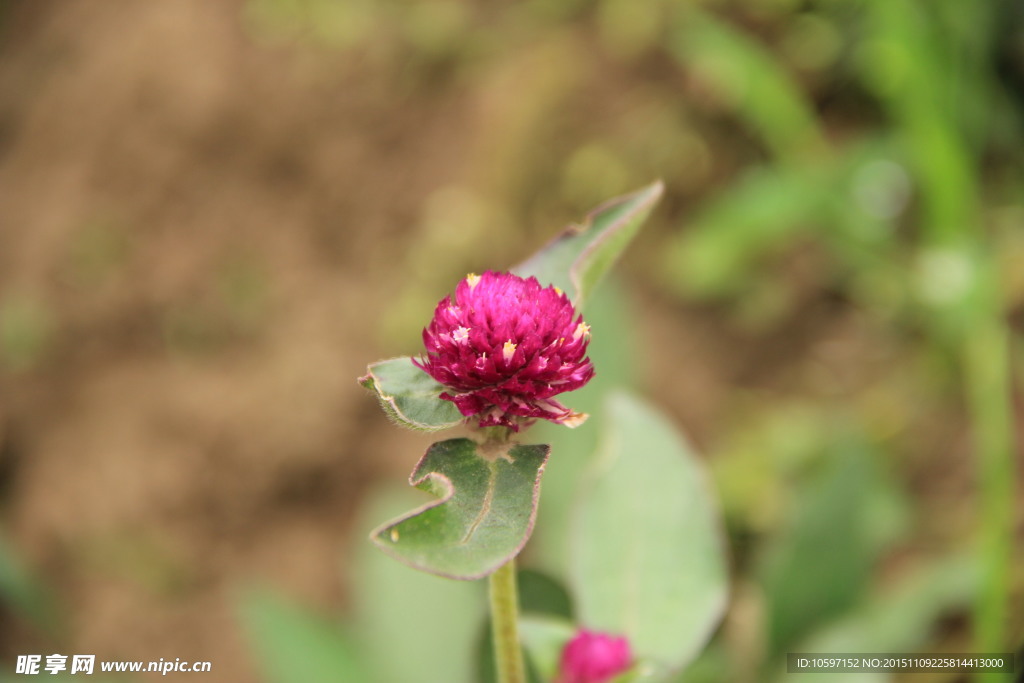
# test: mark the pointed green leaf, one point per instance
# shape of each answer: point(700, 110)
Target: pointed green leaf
point(718, 251)
point(409, 396)
point(764, 94)
point(577, 259)
point(648, 559)
point(485, 513)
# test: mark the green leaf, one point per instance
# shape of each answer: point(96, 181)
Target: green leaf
point(761, 91)
point(487, 507)
point(907, 59)
point(410, 396)
point(544, 638)
point(648, 561)
point(292, 644)
point(577, 259)
point(821, 564)
point(903, 617)
point(542, 594)
point(410, 626)
point(718, 250)
point(613, 351)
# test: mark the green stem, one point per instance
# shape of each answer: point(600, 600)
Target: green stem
point(987, 365)
point(508, 656)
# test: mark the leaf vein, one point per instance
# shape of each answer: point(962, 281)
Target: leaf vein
point(485, 506)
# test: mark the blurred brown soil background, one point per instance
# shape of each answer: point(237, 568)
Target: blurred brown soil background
point(203, 221)
point(205, 235)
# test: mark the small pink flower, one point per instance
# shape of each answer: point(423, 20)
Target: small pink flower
point(592, 657)
point(504, 347)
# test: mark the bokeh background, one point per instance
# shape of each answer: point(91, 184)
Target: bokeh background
point(213, 215)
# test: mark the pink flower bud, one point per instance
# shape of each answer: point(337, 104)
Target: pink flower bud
point(504, 347)
point(594, 658)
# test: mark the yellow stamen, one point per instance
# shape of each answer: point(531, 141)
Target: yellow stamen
point(460, 335)
point(581, 329)
point(472, 280)
point(558, 290)
point(508, 351)
point(574, 420)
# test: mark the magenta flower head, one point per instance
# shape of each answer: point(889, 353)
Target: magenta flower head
point(504, 347)
point(592, 657)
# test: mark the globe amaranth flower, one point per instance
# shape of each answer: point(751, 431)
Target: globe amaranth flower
point(592, 657)
point(504, 347)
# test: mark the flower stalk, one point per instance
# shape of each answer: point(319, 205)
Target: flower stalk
point(504, 596)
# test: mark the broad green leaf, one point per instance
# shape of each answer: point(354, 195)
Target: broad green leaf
point(409, 396)
point(541, 594)
point(293, 644)
point(649, 558)
point(821, 565)
point(614, 355)
point(577, 259)
point(485, 513)
point(717, 662)
point(411, 626)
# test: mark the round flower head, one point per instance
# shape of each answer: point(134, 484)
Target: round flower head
point(504, 347)
point(594, 658)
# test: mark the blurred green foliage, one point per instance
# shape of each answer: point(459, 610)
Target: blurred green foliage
point(878, 140)
point(881, 136)
point(26, 328)
point(22, 593)
point(290, 643)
